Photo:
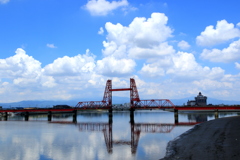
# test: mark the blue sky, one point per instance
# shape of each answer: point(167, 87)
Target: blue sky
point(52, 50)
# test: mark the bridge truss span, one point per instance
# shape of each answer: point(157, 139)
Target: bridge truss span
point(135, 101)
point(153, 104)
point(93, 105)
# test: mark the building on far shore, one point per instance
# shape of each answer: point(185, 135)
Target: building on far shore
point(200, 100)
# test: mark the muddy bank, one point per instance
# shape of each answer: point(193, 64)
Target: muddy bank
point(214, 140)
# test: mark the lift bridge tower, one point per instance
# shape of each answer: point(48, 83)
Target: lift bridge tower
point(135, 101)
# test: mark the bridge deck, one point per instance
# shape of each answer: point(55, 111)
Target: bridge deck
point(52, 109)
point(208, 108)
point(204, 108)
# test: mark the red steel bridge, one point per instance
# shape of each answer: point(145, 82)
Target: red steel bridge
point(135, 101)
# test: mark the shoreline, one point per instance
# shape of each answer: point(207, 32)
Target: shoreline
point(215, 139)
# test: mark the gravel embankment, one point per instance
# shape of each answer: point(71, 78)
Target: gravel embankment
point(217, 139)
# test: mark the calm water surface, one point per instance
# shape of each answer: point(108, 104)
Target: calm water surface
point(92, 137)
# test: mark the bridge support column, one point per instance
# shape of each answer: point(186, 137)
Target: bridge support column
point(5, 116)
point(132, 115)
point(49, 116)
point(74, 116)
point(26, 116)
point(175, 115)
point(110, 116)
point(216, 114)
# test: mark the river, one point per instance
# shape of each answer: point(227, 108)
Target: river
point(93, 137)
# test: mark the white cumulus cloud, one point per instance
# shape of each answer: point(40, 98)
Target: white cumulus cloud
point(20, 67)
point(104, 7)
point(230, 54)
point(237, 65)
point(180, 66)
point(101, 31)
point(152, 70)
point(148, 53)
point(143, 38)
point(110, 66)
point(4, 1)
point(23, 75)
point(111, 48)
point(183, 45)
point(215, 85)
point(186, 67)
point(51, 45)
point(71, 66)
point(223, 32)
point(141, 32)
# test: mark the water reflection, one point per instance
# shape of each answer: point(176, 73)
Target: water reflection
point(197, 117)
point(136, 130)
point(192, 117)
point(93, 137)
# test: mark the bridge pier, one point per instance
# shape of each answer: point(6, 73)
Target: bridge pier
point(74, 116)
point(26, 116)
point(5, 116)
point(175, 115)
point(49, 116)
point(110, 116)
point(216, 114)
point(132, 115)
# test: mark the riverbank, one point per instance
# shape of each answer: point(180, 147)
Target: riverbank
point(217, 139)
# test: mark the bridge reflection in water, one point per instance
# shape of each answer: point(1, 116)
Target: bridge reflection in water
point(136, 130)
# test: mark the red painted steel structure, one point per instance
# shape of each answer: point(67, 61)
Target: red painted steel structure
point(107, 97)
point(46, 110)
point(135, 102)
point(153, 104)
point(208, 108)
point(93, 105)
point(134, 92)
point(106, 103)
point(40, 110)
point(205, 108)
